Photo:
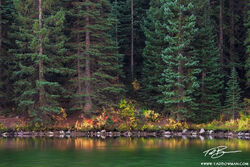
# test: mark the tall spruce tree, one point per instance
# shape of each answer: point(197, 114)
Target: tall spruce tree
point(209, 95)
point(233, 97)
point(130, 34)
point(37, 56)
point(247, 44)
point(152, 64)
point(97, 66)
point(6, 61)
point(179, 79)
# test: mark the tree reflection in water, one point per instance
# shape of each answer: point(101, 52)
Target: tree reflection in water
point(88, 144)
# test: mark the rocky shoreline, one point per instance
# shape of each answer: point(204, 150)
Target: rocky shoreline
point(103, 134)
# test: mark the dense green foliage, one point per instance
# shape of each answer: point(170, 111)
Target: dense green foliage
point(85, 55)
point(247, 44)
point(210, 78)
point(36, 88)
point(101, 54)
point(7, 12)
point(232, 103)
point(152, 64)
point(178, 80)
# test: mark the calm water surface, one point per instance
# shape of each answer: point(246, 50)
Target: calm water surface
point(118, 152)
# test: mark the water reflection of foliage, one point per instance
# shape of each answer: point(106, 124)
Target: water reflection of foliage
point(88, 144)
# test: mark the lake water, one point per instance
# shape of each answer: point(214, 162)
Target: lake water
point(118, 152)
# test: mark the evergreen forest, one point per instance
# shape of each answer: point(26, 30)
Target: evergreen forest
point(187, 60)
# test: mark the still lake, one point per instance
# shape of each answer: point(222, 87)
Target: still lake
point(118, 152)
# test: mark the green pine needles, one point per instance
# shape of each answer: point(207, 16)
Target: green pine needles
point(169, 56)
point(233, 98)
point(97, 59)
point(37, 57)
point(209, 94)
point(247, 44)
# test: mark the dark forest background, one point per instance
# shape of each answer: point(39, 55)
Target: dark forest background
point(184, 59)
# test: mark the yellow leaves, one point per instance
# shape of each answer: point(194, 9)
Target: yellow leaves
point(61, 116)
point(85, 125)
point(21, 126)
point(151, 115)
point(128, 112)
point(241, 124)
point(63, 112)
point(101, 120)
point(132, 119)
point(2, 127)
point(136, 85)
point(127, 109)
point(175, 125)
point(38, 127)
point(222, 116)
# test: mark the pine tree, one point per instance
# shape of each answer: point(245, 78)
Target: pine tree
point(247, 44)
point(209, 95)
point(140, 10)
point(152, 64)
point(38, 57)
point(221, 32)
point(178, 81)
point(6, 61)
point(97, 66)
point(233, 97)
point(130, 34)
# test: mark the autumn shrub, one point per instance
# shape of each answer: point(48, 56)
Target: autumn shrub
point(150, 115)
point(197, 126)
point(127, 109)
point(41, 127)
point(136, 85)
point(150, 127)
point(84, 125)
point(62, 115)
point(22, 126)
point(174, 125)
point(128, 112)
point(100, 121)
point(243, 122)
point(123, 127)
point(3, 128)
point(212, 125)
point(240, 124)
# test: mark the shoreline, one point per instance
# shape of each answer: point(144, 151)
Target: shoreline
point(104, 134)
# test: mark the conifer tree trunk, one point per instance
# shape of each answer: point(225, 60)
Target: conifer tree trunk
point(79, 72)
point(231, 51)
point(88, 102)
point(132, 39)
point(245, 13)
point(221, 32)
point(180, 70)
point(41, 77)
